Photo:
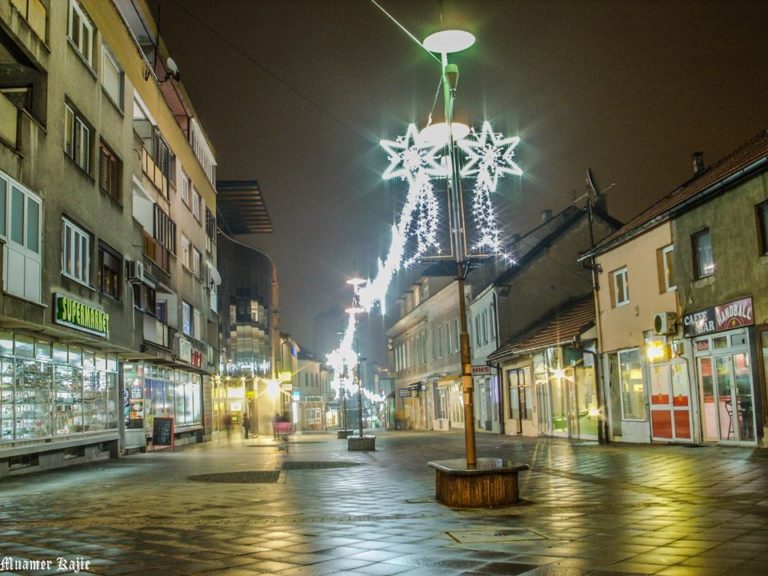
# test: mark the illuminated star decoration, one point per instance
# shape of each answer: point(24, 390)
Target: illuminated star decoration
point(416, 161)
point(489, 155)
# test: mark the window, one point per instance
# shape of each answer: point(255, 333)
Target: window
point(112, 77)
point(619, 287)
point(196, 200)
point(197, 324)
point(210, 230)
point(110, 173)
point(197, 259)
point(186, 246)
point(80, 32)
point(666, 272)
point(186, 184)
point(77, 138)
point(492, 320)
point(165, 230)
point(20, 214)
point(110, 267)
point(703, 261)
point(75, 252)
point(762, 225)
point(186, 318)
point(632, 386)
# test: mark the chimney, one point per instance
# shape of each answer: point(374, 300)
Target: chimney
point(546, 215)
point(698, 163)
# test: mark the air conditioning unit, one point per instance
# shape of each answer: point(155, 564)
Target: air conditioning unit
point(664, 323)
point(136, 271)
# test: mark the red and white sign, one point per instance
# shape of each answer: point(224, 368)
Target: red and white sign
point(481, 370)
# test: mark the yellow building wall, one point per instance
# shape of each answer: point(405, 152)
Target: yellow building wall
point(623, 326)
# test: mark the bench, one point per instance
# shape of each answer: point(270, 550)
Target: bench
point(491, 484)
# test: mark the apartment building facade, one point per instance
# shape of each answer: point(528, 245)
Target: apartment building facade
point(98, 330)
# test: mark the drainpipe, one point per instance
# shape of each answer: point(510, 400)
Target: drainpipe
point(603, 436)
point(603, 432)
point(497, 367)
point(499, 375)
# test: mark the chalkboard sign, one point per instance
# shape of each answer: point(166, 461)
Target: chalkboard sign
point(162, 431)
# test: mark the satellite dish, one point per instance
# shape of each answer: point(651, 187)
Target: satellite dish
point(172, 69)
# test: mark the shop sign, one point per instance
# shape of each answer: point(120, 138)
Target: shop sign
point(80, 316)
point(481, 370)
point(405, 392)
point(718, 318)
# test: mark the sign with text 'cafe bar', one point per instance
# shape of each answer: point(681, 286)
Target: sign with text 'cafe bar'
point(718, 318)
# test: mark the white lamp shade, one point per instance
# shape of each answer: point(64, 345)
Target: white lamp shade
point(437, 134)
point(447, 41)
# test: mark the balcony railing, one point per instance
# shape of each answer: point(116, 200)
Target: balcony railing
point(156, 331)
point(9, 121)
point(154, 173)
point(35, 13)
point(158, 253)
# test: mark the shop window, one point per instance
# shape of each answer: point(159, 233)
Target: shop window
point(75, 252)
point(619, 288)
point(112, 77)
point(110, 173)
point(110, 267)
point(80, 32)
point(520, 395)
point(762, 226)
point(632, 385)
point(703, 260)
point(666, 272)
point(77, 138)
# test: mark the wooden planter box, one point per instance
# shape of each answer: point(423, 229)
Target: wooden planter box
point(492, 484)
point(343, 433)
point(361, 443)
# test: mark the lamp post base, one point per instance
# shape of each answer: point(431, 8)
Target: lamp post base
point(361, 443)
point(492, 484)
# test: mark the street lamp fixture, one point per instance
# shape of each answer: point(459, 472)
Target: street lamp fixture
point(356, 309)
point(444, 43)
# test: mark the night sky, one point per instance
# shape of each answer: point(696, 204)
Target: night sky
point(297, 94)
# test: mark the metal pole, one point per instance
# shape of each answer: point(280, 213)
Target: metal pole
point(360, 395)
point(467, 385)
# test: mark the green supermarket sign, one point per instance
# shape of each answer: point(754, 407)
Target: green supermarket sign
point(81, 316)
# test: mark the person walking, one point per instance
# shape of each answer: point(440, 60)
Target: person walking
point(246, 426)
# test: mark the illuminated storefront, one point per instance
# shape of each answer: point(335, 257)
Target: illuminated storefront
point(51, 392)
point(159, 391)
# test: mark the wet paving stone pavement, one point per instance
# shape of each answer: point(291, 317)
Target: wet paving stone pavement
point(320, 509)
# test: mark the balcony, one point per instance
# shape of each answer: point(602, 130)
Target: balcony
point(35, 13)
point(154, 173)
point(156, 332)
point(156, 252)
point(9, 122)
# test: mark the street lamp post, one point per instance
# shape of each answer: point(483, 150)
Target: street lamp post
point(443, 43)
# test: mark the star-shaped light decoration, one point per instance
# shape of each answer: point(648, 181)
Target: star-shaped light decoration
point(489, 155)
point(409, 157)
